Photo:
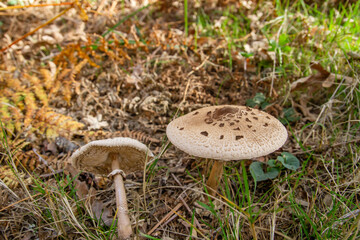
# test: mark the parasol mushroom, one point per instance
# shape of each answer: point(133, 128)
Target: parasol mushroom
point(225, 133)
point(115, 157)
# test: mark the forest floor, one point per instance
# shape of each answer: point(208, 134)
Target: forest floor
point(105, 69)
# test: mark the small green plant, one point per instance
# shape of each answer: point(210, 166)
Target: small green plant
point(286, 160)
point(280, 47)
point(289, 115)
point(258, 100)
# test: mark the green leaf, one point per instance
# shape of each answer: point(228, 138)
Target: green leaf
point(264, 105)
point(272, 172)
point(271, 163)
point(289, 161)
point(289, 116)
point(246, 55)
point(250, 103)
point(258, 173)
point(204, 205)
point(272, 45)
point(283, 40)
point(259, 99)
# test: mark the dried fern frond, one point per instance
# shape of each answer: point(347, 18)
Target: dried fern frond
point(53, 124)
point(48, 79)
point(11, 179)
point(24, 103)
point(12, 145)
point(6, 116)
point(31, 106)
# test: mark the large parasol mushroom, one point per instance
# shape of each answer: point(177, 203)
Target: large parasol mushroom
point(225, 133)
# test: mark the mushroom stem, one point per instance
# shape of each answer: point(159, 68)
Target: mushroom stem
point(215, 177)
point(124, 224)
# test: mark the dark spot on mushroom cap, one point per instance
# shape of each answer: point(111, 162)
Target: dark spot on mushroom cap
point(255, 118)
point(249, 126)
point(267, 117)
point(195, 113)
point(248, 109)
point(266, 124)
point(252, 113)
point(236, 129)
point(218, 113)
point(239, 137)
point(237, 121)
point(182, 128)
point(208, 114)
point(208, 120)
point(222, 137)
point(221, 124)
point(232, 123)
point(214, 124)
point(248, 120)
point(254, 130)
point(205, 133)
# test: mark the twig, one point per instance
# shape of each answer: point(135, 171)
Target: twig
point(177, 207)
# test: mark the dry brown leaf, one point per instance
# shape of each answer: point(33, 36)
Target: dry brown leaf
point(322, 79)
point(102, 212)
point(313, 82)
point(135, 77)
point(82, 189)
point(305, 109)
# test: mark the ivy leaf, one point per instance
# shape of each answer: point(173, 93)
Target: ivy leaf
point(289, 161)
point(258, 173)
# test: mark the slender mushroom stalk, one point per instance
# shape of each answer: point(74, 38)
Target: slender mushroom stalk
point(124, 224)
point(114, 157)
point(226, 133)
point(215, 177)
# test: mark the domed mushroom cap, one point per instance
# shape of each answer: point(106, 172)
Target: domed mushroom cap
point(227, 132)
point(93, 157)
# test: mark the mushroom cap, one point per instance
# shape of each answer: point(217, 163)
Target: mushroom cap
point(93, 157)
point(227, 132)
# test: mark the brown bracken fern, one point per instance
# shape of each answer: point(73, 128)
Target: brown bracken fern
point(24, 105)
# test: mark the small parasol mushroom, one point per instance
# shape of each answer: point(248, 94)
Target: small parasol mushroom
point(225, 133)
point(114, 157)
